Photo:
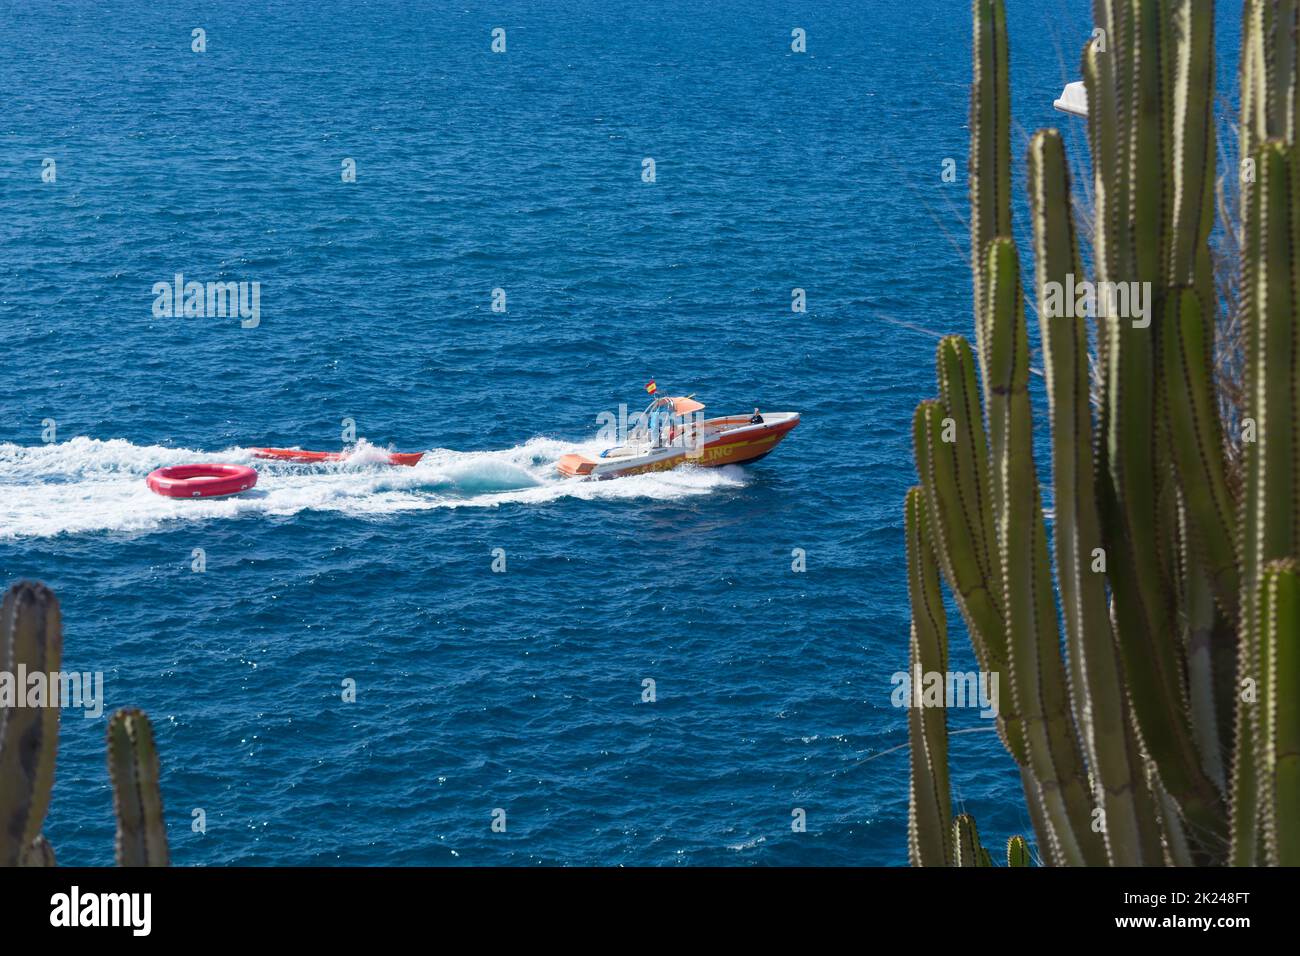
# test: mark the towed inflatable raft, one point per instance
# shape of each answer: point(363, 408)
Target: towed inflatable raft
point(297, 454)
point(201, 481)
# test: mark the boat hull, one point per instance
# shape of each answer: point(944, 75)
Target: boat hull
point(739, 442)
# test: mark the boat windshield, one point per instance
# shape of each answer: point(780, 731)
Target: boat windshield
point(665, 422)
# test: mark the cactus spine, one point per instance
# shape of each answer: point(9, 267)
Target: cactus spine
point(1175, 566)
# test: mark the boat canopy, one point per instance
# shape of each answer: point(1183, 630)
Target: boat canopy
point(686, 405)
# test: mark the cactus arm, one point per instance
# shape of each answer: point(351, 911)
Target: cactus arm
point(1261, 273)
point(1272, 468)
point(31, 637)
point(931, 802)
point(1274, 402)
point(1197, 442)
point(1253, 123)
point(960, 396)
point(1193, 136)
point(1047, 843)
point(1131, 451)
point(972, 591)
point(1280, 710)
point(1267, 73)
point(1149, 193)
point(990, 153)
point(1131, 395)
point(955, 533)
point(1246, 73)
point(1107, 183)
point(1038, 684)
point(1002, 284)
point(1108, 81)
point(1018, 852)
point(966, 841)
point(1244, 824)
point(1194, 144)
point(1138, 506)
point(1153, 668)
point(1282, 70)
point(1108, 77)
point(1209, 528)
point(137, 801)
point(1096, 681)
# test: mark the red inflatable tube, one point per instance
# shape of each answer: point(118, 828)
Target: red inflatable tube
point(201, 481)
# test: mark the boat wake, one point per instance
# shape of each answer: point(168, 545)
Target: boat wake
point(87, 485)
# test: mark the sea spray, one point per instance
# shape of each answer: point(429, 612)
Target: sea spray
point(86, 485)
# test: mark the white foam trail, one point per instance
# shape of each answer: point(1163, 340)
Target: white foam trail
point(86, 485)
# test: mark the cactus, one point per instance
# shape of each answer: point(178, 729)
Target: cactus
point(31, 641)
point(1173, 553)
point(968, 851)
point(930, 806)
point(133, 768)
point(1018, 852)
point(966, 842)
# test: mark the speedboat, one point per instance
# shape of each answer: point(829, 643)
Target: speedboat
point(672, 432)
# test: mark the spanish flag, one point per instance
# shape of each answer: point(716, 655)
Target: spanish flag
point(651, 387)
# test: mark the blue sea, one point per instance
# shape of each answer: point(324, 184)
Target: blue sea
point(478, 690)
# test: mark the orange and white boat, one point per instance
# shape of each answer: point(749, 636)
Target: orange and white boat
point(672, 432)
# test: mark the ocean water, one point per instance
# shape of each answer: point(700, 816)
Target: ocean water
point(476, 171)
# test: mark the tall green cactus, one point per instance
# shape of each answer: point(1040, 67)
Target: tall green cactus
point(1271, 530)
point(1138, 733)
point(931, 804)
point(31, 642)
point(137, 801)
